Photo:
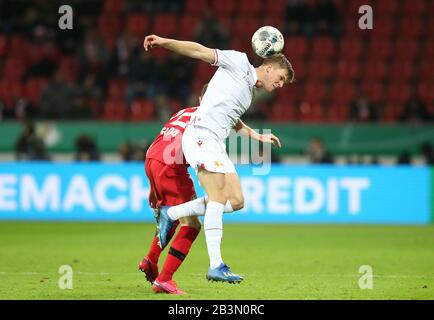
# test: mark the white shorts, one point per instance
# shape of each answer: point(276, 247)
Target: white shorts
point(202, 148)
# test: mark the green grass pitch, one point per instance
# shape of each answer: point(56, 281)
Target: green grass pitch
point(277, 261)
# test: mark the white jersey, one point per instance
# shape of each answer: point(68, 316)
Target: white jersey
point(229, 93)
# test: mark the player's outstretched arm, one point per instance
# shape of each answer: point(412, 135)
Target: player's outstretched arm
point(245, 130)
point(186, 48)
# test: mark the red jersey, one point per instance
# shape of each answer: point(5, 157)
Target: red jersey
point(167, 147)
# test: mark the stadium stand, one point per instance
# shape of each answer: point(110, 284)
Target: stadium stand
point(332, 63)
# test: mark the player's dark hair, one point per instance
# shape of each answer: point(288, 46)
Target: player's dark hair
point(282, 62)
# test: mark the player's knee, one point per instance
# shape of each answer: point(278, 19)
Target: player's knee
point(191, 222)
point(237, 202)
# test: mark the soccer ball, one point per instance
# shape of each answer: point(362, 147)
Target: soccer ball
point(267, 41)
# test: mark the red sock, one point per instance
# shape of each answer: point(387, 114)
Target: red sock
point(177, 252)
point(155, 250)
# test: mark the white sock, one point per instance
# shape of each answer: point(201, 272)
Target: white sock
point(213, 226)
point(194, 207)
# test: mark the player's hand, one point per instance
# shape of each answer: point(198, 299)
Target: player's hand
point(152, 41)
point(271, 138)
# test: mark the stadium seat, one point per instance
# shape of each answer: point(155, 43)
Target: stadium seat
point(223, 8)
point(383, 28)
point(410, 28)
point(11, 91)
point(374, 70)
point(109, 25)
point(398, 92)
point(401, 69)
point(314, 93)
point(244, 27)
point(426, 70)
point(68, 67)
point(241, 44)
point(166, 24)
point(392, 111)
point(34, 88)
point(336, 113)
point(3, 45)
point(141, 109)
point(414, 8)
point(347, 70)
point(196, 8)
point(290, 94)
point(14, 68)
point(385, 8)
point(310, 112)
point(319, 69)
point(373, 89)
point(427, 51)
point(350, 48)
point(342, 93)
point(426, 91)
point(250, 8)
point(112, 6)
point(19, 48)
point(187, 27)
point(405, 49)
point(275, 8)
point(116, 89)
point(379, 49)
point(429, 28)
point(282, 111)
point(323, 47)
point(138, 24)
point(295, 47)
point(114, 110)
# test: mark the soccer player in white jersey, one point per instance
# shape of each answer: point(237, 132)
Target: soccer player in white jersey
point(228, 96)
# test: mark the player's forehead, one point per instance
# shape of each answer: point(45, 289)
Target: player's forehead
point(282, 73)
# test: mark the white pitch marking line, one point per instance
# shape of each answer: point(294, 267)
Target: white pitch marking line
point(200, 274)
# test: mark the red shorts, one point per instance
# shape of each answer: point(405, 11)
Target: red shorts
point(170, 185)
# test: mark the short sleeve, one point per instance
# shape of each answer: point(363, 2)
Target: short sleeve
point(229, 58)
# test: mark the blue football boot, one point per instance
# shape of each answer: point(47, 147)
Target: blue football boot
point(164, 225)
point(223, 273)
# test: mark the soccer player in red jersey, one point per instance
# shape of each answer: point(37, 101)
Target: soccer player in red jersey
point(170, 184)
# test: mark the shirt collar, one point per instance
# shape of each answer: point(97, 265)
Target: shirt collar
point(254, 76)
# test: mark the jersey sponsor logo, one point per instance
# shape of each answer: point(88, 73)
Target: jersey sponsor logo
point(218, 164)
point(199, 142)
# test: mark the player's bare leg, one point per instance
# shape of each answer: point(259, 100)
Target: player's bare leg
point(234, 192)
point(197, 207)
point(214, 185)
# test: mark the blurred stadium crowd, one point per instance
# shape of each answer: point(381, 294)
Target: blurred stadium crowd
point(98, 69)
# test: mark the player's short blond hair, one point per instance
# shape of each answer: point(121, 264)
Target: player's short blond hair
point(282, 62)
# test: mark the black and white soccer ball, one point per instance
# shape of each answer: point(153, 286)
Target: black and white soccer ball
point(267, 41)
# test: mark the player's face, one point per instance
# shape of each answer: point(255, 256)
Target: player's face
point(276, 78)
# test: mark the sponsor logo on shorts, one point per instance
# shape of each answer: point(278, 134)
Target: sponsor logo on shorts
point(218, 164)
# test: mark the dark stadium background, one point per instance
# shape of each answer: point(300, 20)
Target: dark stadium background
point(380, 79)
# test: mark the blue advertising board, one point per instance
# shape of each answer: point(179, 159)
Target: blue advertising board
point(285, 194)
